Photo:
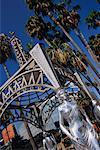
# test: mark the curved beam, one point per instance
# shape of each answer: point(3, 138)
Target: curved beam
point(19, 114)
point(21, 120)
point(29, 81)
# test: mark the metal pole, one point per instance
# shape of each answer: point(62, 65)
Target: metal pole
point(30, 136)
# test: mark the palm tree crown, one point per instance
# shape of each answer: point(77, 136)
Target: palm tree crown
point(93, 19)
point(40, 6)
point(5, 51)
point(36, 27)
point(69, 19)
point(5, 48)
point(94, 42)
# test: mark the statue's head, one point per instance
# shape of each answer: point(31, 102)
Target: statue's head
point(61, 95)
point(44, 134)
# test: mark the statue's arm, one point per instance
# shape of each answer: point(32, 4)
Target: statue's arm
point(86, 117)
point(90, 124)
point(61, 122)
point(44, 144)
point(53, 139)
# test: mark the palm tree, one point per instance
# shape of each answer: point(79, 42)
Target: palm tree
point(94, 42)
point(93, 19)
point(5, 51)
point(98, 1)
point(71, 19)
point(46, 8)
point(36, 27)
point(79, 62)
point(75, 16)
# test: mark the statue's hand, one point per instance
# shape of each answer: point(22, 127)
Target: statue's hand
point(75, 139)
point(78, 140)
point(94, 132)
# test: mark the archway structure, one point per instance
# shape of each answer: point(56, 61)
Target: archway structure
point(31, 77)
point(36, 75)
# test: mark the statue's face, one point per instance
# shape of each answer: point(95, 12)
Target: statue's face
point(44, 134)
point(61, 94)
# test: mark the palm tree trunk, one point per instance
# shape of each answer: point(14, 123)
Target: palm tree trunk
point(73, 42)
point(6, 71)
point(89, 73)
point(29, 132)
point(93, 68)
point(82, 84)
point(67, 34)
point(89, 79)
point(85, 43)
point(48, 43)
point(30, 136)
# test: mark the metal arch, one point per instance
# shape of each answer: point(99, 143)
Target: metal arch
point(19, 115)
point(23, 82)
point(7, 104)
point(30, 113)
point(49, 107)
point(29, 99)
point(25, 107)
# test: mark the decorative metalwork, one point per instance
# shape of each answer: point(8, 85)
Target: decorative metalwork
point(28, 83)
point(48, 107)
point(65, 74)
point(23, 82)
point(17, 46)
point(75, 78)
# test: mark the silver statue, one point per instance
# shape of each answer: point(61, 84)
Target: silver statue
point(49, 142)
point(75, 124)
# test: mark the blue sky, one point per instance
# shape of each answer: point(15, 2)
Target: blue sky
point(14, 15)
